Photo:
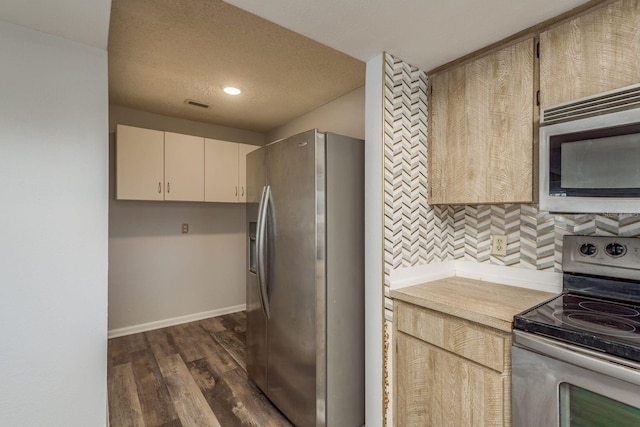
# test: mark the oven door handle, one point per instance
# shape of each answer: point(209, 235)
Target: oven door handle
point(602, 363)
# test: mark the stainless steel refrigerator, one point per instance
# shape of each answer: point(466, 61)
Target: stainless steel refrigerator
point(305, 277)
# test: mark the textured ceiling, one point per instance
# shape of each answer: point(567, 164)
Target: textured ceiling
point(162, 52)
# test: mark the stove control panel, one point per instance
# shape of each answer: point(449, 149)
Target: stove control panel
point(602, 256)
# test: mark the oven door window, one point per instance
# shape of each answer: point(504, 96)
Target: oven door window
point(583, 408)
point(596, 163)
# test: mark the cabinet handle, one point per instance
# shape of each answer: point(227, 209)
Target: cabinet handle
point(236, 191)
point(159, 187)
point(242, 191)
point(168, 187)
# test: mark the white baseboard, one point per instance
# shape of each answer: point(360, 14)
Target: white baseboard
point(120, 332)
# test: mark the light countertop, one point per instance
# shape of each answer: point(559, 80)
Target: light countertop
point(483, 302)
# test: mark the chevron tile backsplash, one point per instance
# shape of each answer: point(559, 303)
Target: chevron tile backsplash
point(405, 161)
point(416, 233)
point(407, 216)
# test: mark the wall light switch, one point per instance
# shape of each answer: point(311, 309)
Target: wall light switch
point(185, 228)
point(499, 245)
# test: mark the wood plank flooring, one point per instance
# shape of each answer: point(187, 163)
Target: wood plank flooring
point(190, 375)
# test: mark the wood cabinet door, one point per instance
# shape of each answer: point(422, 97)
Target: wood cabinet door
point(481, 136)
point(221, 171)
point(139, 163)
point(438, 388)
point(243, 150)
point(592, 53)
point(183, 167)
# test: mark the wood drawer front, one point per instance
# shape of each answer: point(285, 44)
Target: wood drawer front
point(467, 339)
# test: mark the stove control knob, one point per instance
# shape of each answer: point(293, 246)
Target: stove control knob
point(587, 249)
point(615, 249)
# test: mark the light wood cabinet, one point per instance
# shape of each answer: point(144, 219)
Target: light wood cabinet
point(449, 371)
point(139, 163)
point(481, 140)
point(594, 52)
point(183, 167)
point(225, 170)
point(452, 355)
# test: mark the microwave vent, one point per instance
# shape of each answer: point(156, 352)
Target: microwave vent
point(608, 102)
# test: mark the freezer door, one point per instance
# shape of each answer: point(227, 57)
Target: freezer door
point(256, 322)
point(296, 277)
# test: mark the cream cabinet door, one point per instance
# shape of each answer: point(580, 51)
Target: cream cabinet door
point(481, 129)
point(139, 163)
point(594, 52)
point(184, 167)
point(243, 150)
point(221, 171)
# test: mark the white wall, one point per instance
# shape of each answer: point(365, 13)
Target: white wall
point(343, 115)
point(53, 238)
point(158, 276)
point(373, 242)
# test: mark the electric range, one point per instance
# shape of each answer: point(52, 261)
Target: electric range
point(600, 304)
point(576, 357)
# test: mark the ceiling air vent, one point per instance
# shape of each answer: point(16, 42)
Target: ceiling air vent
point(196, 103)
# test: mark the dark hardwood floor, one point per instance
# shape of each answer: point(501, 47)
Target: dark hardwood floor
point(187, 375)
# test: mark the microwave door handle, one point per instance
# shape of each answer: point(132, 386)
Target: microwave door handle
point(261, 240)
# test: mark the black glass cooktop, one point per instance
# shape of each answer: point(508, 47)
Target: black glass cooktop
point(604, 325)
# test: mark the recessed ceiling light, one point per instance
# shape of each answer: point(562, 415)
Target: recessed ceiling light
point(232, 90)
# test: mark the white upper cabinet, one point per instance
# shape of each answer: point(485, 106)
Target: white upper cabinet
point(221, 171)
point(243, 150)
point(184, 167)
point(156, 165)
point(225, 170)
point(139, 163)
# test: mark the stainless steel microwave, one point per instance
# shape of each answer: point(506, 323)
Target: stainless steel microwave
point(590, 154)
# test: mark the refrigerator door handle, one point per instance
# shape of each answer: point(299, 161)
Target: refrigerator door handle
point(261, 238)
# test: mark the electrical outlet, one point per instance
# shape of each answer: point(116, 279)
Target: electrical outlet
point(185, 228)
point(499, 245)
